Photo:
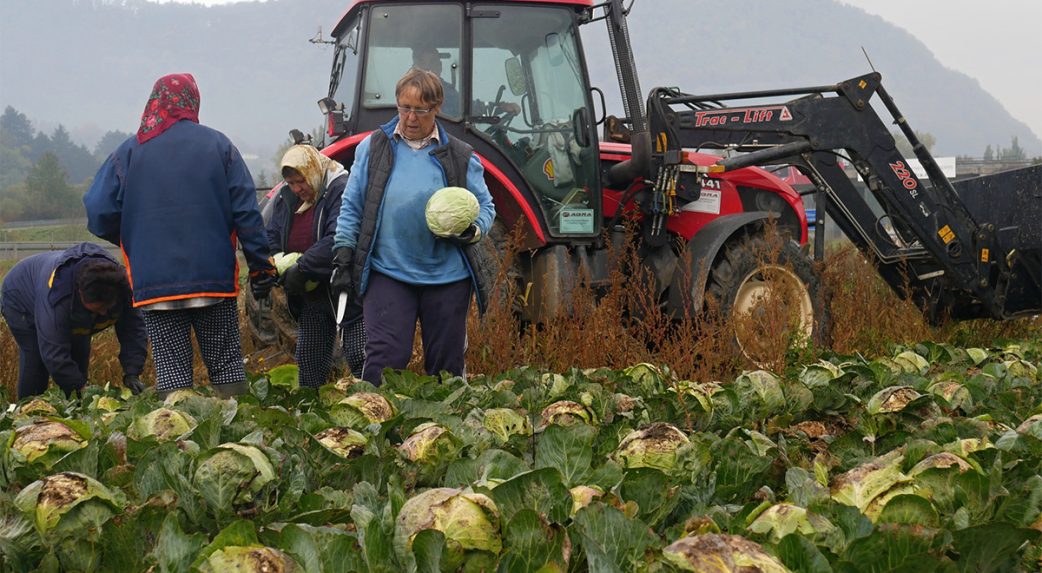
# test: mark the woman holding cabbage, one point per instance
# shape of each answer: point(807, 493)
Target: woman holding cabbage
point(386, 251)
point(300, 230)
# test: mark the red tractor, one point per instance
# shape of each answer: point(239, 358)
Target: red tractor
point(518, 90)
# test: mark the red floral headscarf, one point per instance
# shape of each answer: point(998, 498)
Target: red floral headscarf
point(174, 97)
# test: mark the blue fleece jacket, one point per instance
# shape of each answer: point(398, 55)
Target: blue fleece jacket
point(42, 288)
point(404, 248)
point(176, 205)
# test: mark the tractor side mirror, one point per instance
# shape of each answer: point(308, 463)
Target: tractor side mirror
point(515, 76)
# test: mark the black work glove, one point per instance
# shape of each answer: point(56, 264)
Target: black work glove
point(343, 280)
point(261, 284)
point(70, 392)
point(293, 281)
point(133, 383)
point(470, 235)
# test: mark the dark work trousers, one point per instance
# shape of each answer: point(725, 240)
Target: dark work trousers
point(217, 332)
point(32, 373)
point(315, 341)
point(391, 309)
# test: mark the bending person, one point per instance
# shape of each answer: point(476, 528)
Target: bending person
point(54, 302)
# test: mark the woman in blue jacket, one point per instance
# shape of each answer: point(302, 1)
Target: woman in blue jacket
point(54, 302)
point(302, 224)
point(384, 249)
point(177, 198)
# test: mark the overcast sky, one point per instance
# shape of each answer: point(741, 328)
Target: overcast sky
point(998, 42)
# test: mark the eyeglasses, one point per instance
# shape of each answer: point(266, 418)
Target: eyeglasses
point(405, 110)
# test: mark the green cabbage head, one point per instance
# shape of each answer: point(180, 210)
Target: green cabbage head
point(719, 553)
point(163, 423)
point(361, 409)
point(782, 519)
point(344, 442)
point(469, 521)
point(653, 446)
point(68, 504)
point(504, 422)
point(451, 210)
point(233, 474)
point(45, 442)
point(248, 559)
point(430, 444)
point(564, 413)
point(70, 511)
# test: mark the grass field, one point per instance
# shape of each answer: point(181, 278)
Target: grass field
point(60, 233)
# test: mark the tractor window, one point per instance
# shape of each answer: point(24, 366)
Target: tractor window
point(344, 78)
point(530, 98)
point(425, 36)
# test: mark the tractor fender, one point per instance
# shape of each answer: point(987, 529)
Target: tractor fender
point(687, 289)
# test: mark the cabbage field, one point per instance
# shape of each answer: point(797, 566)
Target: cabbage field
point(925, 460)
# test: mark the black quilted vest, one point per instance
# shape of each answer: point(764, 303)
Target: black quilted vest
point(453, 157)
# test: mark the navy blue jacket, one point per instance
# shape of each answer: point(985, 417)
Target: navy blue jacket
point(42, 288)
point(317, 261)
point(176, 205)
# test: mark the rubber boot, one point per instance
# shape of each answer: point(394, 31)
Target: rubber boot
point(231, 390)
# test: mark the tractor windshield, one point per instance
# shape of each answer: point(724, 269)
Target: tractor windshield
point(402, 36)
point(528, 94)
point(527, 91)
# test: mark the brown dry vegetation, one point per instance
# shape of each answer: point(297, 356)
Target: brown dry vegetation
point(624, 327)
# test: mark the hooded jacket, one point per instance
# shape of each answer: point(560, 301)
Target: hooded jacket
point(42, 290)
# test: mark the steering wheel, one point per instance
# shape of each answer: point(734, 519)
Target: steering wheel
point(504, 112)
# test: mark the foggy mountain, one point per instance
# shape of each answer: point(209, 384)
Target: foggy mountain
point(90, 64)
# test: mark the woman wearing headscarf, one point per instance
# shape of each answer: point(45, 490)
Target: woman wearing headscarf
point(300, 230)
point(177, 197)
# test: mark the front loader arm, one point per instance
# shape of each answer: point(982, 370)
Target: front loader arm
point(934, 251)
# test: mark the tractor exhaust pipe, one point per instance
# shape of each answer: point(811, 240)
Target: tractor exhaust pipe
point(637, 165)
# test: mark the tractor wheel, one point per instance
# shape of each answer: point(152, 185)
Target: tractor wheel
point(771, 300)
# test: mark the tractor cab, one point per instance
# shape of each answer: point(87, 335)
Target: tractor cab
point(516, 88)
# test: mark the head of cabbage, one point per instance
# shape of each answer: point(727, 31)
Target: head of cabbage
point(720, 553)
point(163, 423)
point(450, 210)
point(70, 511)
point(653, 446)
point(343, 442)
point(45, 442)
point(469, 521)
point(233, 474)
point(361, 409)
point(249, 559)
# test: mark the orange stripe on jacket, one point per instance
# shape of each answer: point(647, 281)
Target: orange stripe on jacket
point(232, 294)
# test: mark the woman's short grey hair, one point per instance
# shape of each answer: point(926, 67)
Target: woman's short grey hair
point(428, 84)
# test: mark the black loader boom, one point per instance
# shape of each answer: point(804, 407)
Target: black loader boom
point(964, 250)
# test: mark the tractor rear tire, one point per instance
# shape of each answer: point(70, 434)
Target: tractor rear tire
point(770, 301)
